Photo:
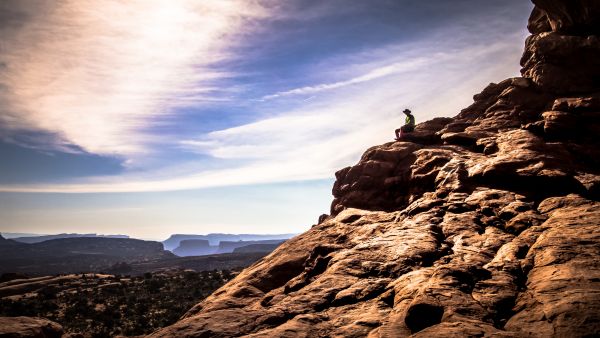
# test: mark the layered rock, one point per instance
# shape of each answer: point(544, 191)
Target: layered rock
point(485, 224)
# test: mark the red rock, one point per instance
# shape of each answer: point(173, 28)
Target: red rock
point(27, 327)
point(538, 22)
point(561, 297)
point(589, 103)
point(560, 124)
point(571, 17)
point(562, 63)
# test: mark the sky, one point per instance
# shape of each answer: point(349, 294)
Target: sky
point(151, 117)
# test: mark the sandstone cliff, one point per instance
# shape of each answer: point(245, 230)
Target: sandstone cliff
point(482, 224)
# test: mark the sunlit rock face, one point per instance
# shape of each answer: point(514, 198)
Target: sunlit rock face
point(478, 225)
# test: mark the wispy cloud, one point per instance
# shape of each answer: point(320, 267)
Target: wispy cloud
point(310, 140)
point(96, 74)
point(98, 77)
point(374, 74)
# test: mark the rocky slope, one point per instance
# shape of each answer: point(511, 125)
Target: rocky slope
point(478, 225)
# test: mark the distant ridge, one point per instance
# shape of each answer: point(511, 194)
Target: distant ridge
point(34, 238)
point(75, 255)
point(215, 238)
point(201, 247)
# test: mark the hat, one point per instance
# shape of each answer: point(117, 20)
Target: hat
point(406, 111)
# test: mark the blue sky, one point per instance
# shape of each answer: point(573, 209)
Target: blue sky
point(151, 117)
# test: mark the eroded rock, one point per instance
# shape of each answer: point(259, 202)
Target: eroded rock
point(570, 17)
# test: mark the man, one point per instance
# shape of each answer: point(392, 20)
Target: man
point(409, 124)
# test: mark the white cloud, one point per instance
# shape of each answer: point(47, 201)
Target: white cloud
point(374, 74)
point(314, 139)
point(317, 138)
point(96, 74)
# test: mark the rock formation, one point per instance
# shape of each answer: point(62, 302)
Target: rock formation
point(478, 225)
point(26, 327)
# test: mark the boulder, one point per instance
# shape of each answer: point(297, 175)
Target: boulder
point(559, 124)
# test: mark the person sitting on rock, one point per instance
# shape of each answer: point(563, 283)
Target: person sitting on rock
point(409, 124)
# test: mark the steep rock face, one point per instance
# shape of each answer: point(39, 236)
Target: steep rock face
point(562, 54)
point(486, 224)
point(576, 17)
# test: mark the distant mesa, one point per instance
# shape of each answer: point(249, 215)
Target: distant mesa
point(5, 243)
point(75, 255)
point(201, 247)
point(41, 238)
point(194, 247)
point(88, 253)
point(214, 239)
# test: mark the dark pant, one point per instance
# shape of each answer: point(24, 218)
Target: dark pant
point(407, 128)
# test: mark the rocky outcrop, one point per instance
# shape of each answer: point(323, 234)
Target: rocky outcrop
point(562, 54)
point(485, 224)
point(26, 327)
point(576, 17)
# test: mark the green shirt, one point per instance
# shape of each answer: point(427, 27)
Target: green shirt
point(410, 120)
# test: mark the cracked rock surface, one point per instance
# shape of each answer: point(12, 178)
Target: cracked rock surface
point(485, 224)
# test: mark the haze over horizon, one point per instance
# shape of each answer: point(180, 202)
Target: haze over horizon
point(149, 118)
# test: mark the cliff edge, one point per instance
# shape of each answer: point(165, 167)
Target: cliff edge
point(484, 224)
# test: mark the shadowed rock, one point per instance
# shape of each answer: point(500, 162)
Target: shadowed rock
point(26, 327)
